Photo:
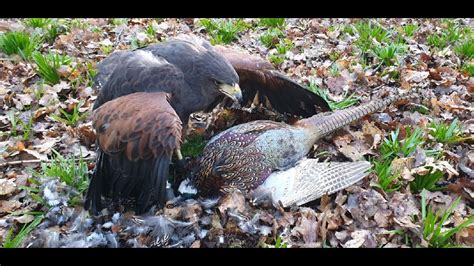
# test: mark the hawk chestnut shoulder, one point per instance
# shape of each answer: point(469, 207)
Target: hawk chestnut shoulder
point(146, 97)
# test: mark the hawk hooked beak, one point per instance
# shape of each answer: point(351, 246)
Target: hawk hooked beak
point(231, 91)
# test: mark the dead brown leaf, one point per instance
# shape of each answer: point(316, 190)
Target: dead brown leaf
point(404, 207)
point(466, 236)
point(414, 76)
point(7, 186)
point(364, 205)
point(10, 205)
point(86, 135)
point(372, 133)
point(463, 187)
point(400, 164)
point(354, 150)
point(361, 238)
point(234, 201)
point(338, 84)
point(307, 225)
point(24, 219)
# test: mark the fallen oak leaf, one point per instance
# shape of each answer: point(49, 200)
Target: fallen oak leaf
point(355, 149)
point(234, 201)
point(42, 112)
point(364, 205)
point(45, 145)
point(64, 71)
point(432, 165)
point(307, 225)
point(467, 164)
point(196, 244)
point(425, 57)
point(74, 74)
point(404, 208)
point(382, 218)
point(406, 175)
point(37, 155)
point(415, 76)
point(22, 100)
point(400, 164)
point(434, 74)
point(8, 206)
point(7, 187)
point(49, 99)
point(451, 102)
point(466, 235)
point(372, 133)
point(463, 187)
point(85, 92)
point(352, 152)
point(86, 135)
point(361, 238)
point(470, 85)
point(444, 76)
point(20, 146)
point(24, 219)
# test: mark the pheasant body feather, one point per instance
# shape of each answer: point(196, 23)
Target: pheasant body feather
point(244, 156)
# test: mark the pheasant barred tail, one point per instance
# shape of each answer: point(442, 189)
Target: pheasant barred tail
point(327, 123)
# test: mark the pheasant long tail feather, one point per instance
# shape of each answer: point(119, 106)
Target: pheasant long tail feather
point(327, 123)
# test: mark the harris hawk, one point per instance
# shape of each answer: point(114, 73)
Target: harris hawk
point(147, 95)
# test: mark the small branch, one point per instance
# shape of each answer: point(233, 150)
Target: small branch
point(10, 163)
point(19, 162)
point(7, 59)
point(117, 38)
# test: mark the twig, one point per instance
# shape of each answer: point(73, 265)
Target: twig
point(19, 162)
point(10, 163)
point(117, 38)
point(7, 59)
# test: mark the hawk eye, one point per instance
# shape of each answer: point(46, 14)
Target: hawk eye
point(217, 82)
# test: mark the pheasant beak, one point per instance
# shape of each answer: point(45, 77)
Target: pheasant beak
point(232, 91)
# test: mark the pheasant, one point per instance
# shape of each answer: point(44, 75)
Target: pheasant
point(266, 157)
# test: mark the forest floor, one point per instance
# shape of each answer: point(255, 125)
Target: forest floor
point(422, 153)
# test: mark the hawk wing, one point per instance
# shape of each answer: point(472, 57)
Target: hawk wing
point(136, 135)
point(262, 84)
point(126, 72)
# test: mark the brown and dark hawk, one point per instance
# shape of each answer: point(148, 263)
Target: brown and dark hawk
point(147, 95)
